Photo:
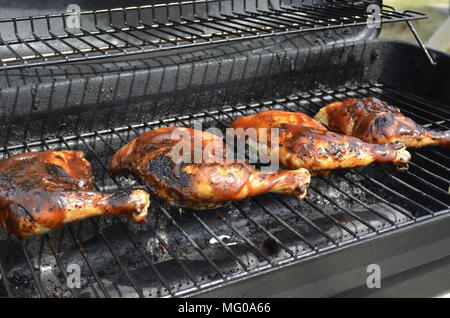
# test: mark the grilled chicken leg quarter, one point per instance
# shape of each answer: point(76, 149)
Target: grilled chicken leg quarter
point(41, 191)
point(207, 184)
point(374, 121)
point(303, 142)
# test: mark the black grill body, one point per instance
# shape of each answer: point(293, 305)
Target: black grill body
point(267, 246)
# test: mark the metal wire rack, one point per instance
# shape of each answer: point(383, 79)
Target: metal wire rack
point(53, 39)
point(186, 253)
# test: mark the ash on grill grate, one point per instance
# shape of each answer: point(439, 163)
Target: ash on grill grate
point(120, 287)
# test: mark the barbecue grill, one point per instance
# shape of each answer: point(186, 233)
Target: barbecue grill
point(124, 71)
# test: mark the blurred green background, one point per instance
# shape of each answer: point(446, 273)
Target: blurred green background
point(425, 28)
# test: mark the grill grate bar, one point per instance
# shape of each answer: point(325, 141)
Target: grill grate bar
point(16, 55)
point(405, 213)
point(220, 241)
point(265, 230)
point(102, 235)
point(413, 114)
point(406, 97)
point(384, 171)
point(161, 241)
point(82, 249)
point(362, 187)
point(52, 48)
point(36, 278)
point(443, 192)
point(343, 208)
point(332, 218)
point(447, 182)
point(429, 173)
point(86, 259)
point(399, 195)
point(94, 47)
point(184, 268)
point(281, 244)
point(277, 19)
point(38, 54)
point(356, 199)
point(308, 202)
point(246, 240)
point(216, 25)
point(377, 213)
point(266, 24)
point(394, 99)
point(335, 221)
point(59, 262)
point(373, 186)
point(402, 211)
point(341, 12)
point(117, 259)
point(270, 21)
point(417, 154)
point(55, 253)
point(183, 25)
point(320, 15)
point(208, 228)
point(238, 27)
point(75, 238)
point(295, 211)
point(195, 245)
point(167, 248)
point(127, 274)
point(424, 194)
point(5, 280)
point(174, 222)
point(240, 22)
point(287, 226)
point(309, 222)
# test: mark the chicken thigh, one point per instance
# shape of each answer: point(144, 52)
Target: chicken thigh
point(302, 142)
point(203, 179)
point(41, 191)
point(374, 121)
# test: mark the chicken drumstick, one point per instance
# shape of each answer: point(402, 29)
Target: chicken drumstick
point(303, 142)
point(374, 121)
point(41, 191)
point(204, 184)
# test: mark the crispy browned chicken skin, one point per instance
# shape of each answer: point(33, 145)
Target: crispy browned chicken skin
point(305, 143)
point(374, 121)
point(274, 119)
point(41, 191)
point(205, 184)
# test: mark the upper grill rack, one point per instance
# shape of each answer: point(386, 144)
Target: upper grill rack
point(69, 37)
point(417, 195)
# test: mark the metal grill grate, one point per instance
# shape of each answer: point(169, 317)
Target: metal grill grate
point(43, 40)
point(178, 254)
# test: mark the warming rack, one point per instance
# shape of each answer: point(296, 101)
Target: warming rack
point(80, 36)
